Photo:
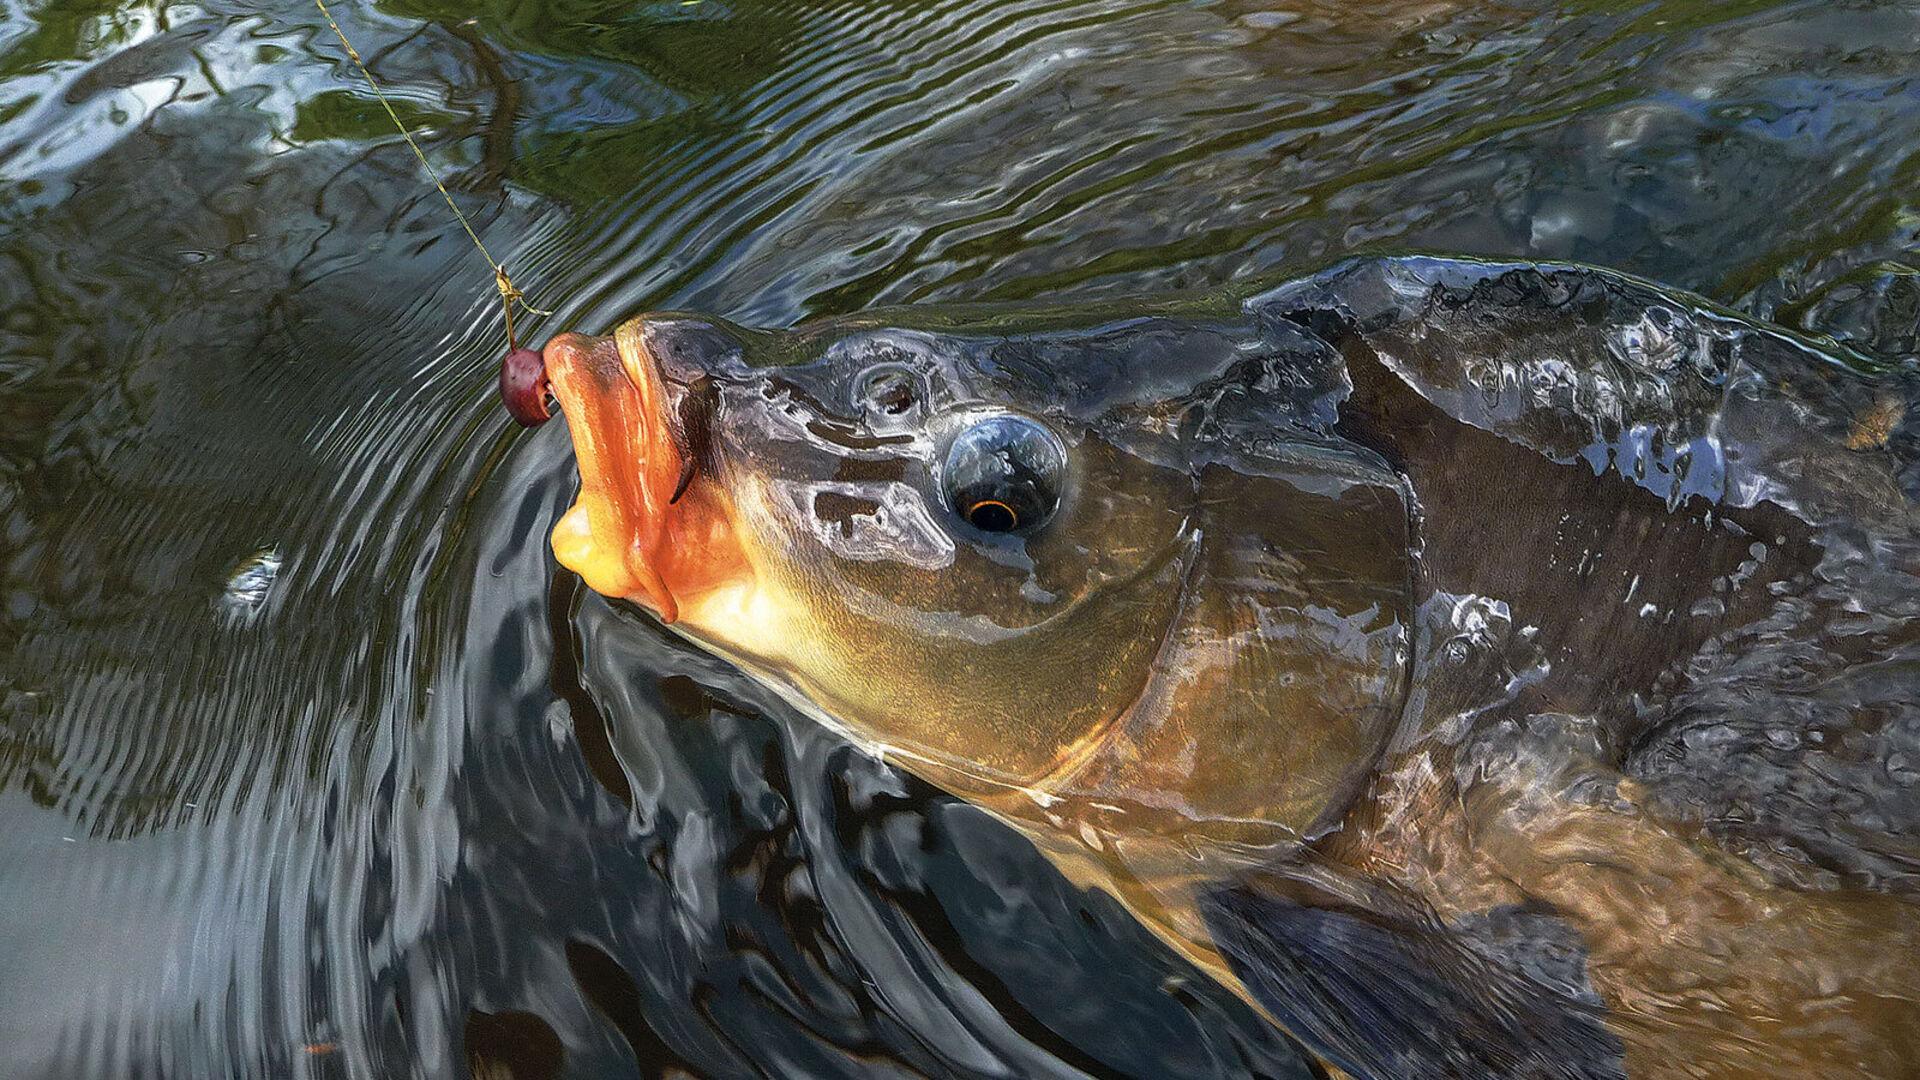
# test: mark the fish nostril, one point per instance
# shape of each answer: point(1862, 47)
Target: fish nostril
point(889, 390)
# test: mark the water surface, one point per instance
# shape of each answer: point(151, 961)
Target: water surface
point(312, 764)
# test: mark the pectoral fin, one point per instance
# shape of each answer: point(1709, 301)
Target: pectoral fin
point(1398, 997)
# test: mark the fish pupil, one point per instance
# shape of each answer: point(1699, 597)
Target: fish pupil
point(989, 515)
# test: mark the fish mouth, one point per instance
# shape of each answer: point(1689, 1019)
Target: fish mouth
point(644, 527)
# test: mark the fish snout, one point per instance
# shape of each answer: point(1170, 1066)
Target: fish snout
point(686, 348)
point(640, 529)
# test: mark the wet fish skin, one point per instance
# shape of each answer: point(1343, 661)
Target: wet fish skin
point(1608, 738)
point(1430, 581)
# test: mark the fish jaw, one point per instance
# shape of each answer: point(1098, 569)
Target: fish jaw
point(627, 535)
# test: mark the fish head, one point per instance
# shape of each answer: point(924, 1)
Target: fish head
point(1109, 574)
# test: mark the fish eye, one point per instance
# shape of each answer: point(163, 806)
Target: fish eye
point(1004, 474)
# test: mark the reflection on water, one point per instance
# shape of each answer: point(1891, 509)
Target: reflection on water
point(311, 764)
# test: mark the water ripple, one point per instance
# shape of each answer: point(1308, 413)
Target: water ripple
point(310, 761)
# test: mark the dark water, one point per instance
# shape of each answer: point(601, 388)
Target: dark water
point(311, 763)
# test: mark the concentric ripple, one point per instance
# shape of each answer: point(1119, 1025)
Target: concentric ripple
point(312, 763)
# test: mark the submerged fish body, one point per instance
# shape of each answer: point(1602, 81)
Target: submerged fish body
point(1490, 670)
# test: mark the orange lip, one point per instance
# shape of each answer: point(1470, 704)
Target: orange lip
point(626, 535)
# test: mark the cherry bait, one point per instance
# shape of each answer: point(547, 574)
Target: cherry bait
point(523, 387)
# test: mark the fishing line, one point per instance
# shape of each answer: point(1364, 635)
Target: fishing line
point(510, 295)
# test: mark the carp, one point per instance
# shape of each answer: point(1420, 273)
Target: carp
point(1487, 669)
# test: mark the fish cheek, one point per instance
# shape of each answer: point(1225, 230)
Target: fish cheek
point(1279, 685)
point(984, 713)
point(989, 670)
